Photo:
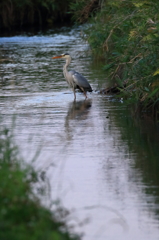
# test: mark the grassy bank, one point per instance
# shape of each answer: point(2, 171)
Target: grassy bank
point(21, 214)
point(125, 36)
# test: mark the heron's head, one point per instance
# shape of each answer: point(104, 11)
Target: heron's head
point(65, 55)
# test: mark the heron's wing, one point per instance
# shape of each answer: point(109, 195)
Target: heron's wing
point(81, 81)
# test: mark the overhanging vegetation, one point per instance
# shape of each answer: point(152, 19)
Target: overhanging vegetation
point(125, 35)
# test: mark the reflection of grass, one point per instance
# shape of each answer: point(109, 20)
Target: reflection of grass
point(21, 215)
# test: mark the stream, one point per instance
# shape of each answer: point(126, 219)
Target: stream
point(100, 161)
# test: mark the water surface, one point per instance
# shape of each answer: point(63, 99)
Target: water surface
point(100, 162)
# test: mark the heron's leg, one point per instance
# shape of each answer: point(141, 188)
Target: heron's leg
point(83, 91)
point(85, 94)
point(74, 94)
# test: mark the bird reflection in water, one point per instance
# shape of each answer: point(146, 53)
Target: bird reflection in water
point(78, 111)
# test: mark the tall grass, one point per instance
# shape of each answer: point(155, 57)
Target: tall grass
point(125, 36)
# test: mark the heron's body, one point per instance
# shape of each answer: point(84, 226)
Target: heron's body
point(74, 79)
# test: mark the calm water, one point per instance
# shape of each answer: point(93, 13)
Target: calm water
point(102, 163)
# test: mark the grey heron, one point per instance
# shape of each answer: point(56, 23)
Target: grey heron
point(74, 79)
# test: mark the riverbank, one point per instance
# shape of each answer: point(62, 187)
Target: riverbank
point(124, 35)
point(19, 15)
point(22, 215)
point(16, 14)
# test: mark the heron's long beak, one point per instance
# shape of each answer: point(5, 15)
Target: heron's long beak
point(57, 57)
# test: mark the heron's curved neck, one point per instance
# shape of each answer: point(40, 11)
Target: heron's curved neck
point(65, 71)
